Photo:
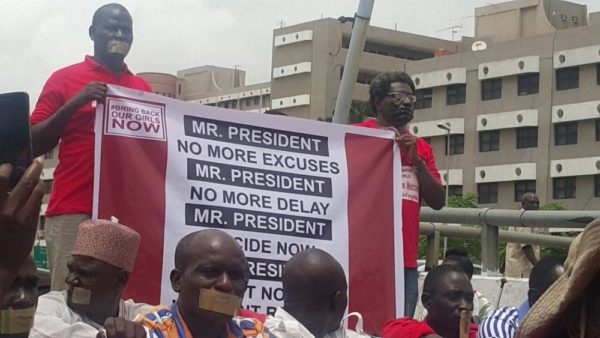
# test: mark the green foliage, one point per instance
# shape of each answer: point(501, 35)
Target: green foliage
point(468, 201)
point(547, 251)
point(471, 246)
point(359, 111)
point(553, 206)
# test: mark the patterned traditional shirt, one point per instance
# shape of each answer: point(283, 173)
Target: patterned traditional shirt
point(166, 322)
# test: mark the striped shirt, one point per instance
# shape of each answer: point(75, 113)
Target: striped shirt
point(503, 323)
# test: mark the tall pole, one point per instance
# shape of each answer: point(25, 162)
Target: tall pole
point(446, 126)
point(357, 44)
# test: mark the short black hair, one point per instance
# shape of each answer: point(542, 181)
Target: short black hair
point(438, 274)
point(380, 86)
point(462, 260)
point(543, 273)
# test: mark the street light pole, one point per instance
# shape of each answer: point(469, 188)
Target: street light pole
point(447, 127)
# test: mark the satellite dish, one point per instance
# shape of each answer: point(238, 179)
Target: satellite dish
point(478, 45)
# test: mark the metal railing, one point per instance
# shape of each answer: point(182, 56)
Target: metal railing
point(489, 221)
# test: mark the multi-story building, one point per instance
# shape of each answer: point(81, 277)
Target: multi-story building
point(518, 104)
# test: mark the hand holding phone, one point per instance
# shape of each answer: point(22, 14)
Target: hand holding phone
point(15, 138)
point(19, 212)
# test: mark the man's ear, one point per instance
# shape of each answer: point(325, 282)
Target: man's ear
point(338, 301)
point(377, 104)
point(426, 300)
point(92, 32)
point(122, 278)
point(532, 296)
point(176, 280)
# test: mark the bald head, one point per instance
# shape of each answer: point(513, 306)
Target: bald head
point(314, 290)
point(107, 10)
point(313, 275)
point(203, 243)
point(530, 201)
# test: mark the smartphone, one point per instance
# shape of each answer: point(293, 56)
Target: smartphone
point(15, 137)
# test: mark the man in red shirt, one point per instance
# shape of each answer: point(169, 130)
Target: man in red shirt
point(392, 99)
point(448, 298)
point(66, 111)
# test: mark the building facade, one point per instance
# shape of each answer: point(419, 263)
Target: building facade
point(514, 109)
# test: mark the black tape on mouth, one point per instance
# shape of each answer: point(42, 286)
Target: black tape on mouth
point(405, 111)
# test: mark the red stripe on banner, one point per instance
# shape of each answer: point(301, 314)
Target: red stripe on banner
point(132, 188)
point(371, 229)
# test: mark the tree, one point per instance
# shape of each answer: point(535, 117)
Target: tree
point(359, 111)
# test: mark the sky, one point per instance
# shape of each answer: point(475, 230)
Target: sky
point(38, 37)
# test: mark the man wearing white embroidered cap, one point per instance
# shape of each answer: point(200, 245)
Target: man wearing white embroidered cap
point(101, 262)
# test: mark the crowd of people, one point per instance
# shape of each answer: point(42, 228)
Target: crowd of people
point(91, 260)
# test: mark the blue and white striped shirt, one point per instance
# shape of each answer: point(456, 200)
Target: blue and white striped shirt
point(503, 323)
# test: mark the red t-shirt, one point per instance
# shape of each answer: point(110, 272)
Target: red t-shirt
point(410, 328)
point(411, 196)
point(74, 175)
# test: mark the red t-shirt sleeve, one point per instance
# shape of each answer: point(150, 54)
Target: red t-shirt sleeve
point(406, 328)
point(427, 155)
point(50, 100)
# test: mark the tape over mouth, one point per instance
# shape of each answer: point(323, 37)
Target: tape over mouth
point(118, 47)
point(81, 296)
point(14, 321)
point(219, 302)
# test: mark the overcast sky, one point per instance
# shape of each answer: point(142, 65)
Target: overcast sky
point(39, 37)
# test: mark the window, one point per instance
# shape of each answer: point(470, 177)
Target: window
point(598, 130)
point(567, 78)
point(179, 89)
point(491, 89)
point(256, 100)
point(564, 187)
point(248, 102)
point(424, 98)
point(455, 190)
point(455, 94)
point(226, 104)
point(457, 144)
point(487, 193)
point(565, 133)
point(527, 137)
point(489, 141)
point(50, 155)
point(48, 186)
point(598, 74)
point(597, 185)
point(529, 84)
point(233, 104)
point(523, 187)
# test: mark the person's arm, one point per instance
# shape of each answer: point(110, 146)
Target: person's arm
point(49, 322)
point(45, 134)
point(122, 328)
point(499, 325)
point(431, 190)
point(529, 253)
point(19, 212)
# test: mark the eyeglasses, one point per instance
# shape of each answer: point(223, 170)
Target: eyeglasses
point(402, 96)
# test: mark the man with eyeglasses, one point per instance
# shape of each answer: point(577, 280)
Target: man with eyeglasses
point(392, 100)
